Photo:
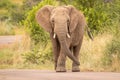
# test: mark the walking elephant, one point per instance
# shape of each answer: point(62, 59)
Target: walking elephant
point(66, 27)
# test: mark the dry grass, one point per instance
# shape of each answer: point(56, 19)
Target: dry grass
point(2, 11)
point(92, 52)
point(6, 28)
point(17, 1)
point(11, 54)
point(115, 65)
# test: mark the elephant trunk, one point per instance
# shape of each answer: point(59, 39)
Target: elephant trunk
point(65, 48)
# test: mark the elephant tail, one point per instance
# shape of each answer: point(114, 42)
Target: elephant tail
point(89, 32)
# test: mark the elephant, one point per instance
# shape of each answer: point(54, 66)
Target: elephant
point(66, 25)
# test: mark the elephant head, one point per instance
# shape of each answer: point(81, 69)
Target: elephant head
point(61, 21)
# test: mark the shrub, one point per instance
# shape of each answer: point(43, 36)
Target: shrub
point(36, 32)
point(95, 11)
point(39, 37)
point(5, 4)
point(16, 14)
point(38, 55)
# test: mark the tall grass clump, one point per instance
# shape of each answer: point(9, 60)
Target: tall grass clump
point(6, 28)
point(111, 58)
point(92, 51)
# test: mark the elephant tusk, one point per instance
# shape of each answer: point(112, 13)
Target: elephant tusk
point(68, 35)
point(54, 35)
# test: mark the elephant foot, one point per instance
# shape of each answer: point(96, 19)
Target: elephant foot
point(60, 69)
point(75, 69)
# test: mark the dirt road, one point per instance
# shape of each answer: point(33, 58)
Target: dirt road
point(10, 39)
point(52, 75)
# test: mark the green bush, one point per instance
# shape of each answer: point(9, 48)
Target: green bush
point(37, 33)
point(95, 11)
point(4, 16)
point(16, 14)
point(38, 55)
point(40, 37)
point(5, 4)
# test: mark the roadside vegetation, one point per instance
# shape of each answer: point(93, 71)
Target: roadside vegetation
point(17, 17)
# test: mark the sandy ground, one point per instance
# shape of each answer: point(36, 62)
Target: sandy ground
point(52, 75)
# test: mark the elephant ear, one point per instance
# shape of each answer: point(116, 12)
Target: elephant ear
point(43, 17)
point(75, 18)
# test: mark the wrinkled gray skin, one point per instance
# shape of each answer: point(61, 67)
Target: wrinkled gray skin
point(66, 27)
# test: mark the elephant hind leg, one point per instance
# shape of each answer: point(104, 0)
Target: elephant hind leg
point(75, 67)
point(76, 51)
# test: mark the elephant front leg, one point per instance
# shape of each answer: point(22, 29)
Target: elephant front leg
point(61, 63)
point(56, 50)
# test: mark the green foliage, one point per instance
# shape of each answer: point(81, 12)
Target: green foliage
point(96, 12)
point(38, 36)
point(36, 32)
point(6, 4)
point(28, 4)
point(38, 55)
point(4, 16)
point(13, 12)
point(16, 14)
